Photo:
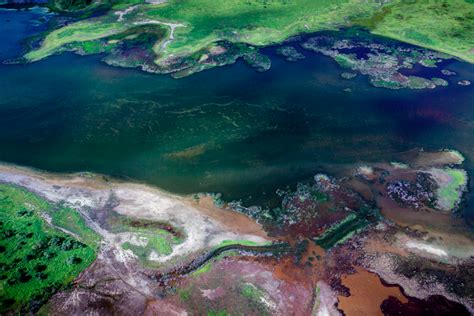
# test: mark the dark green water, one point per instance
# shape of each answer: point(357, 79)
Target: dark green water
point(229, 130)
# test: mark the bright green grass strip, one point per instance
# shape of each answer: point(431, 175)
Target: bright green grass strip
point(242, 242)
point(208, 265)
point(36, 259)
point(83, 31)
point(217, 313)
point(203, 269)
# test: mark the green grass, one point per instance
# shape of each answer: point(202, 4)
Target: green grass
point(156, 239)
point(257, 22)
point(249, 290)
point(83, 31)
point(159, 244)
point(254, 22)
point(184, 294)
point(36, 259)
point(255, 296)
point(203, 269)
point(207, 267)
point(450, 194)
point(70, 220)
point(217, 313)
point(242, 242)
point(443, 25)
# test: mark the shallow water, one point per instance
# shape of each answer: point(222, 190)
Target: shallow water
point(229, 130)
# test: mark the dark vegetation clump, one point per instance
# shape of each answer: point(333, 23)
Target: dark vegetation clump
point(455, 280)
point(414, 194)
point(300, 249)
point(322, 211)
point(70, 5)
point(433, 305)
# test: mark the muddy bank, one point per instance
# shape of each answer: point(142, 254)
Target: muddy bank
point(95, 195)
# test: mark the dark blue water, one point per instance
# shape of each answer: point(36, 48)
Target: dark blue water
point(15, 26)
point(228, 129)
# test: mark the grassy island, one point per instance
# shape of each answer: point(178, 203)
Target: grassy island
point(195, 27)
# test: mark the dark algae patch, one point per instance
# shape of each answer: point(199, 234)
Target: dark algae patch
point(382, 60)
point(433, 305)
point(36, 259)
point(321, 210)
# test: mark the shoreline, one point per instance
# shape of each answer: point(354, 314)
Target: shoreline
point(203, 225)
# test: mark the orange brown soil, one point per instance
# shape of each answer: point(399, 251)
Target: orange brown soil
point(382, 247)
point(314, 251)
point(235, 222)
point(366, 294)
point(361, 188)
point(162, 308)
point(287, 270)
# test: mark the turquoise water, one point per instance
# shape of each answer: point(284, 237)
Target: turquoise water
point(229, 129)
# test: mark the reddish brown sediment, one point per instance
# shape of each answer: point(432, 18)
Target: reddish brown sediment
point(367, 293)
point(383, 247)
point(233, 221)
point(362, 188)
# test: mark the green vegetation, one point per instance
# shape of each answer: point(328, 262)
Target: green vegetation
point(256, 296)
point(449, 195)
point(217, 313)
point(208, 265)
point(82, 31)
point(445, 25)
point(203, 269)
point(196, 25)
point(184, 294)
point(199, 23)
point(69, 5)
point(254, 22)
point(341, 231)
point(145, 238)
point(73, 222)
point(159, 244)
point(251, 291)
point(37, 259)
point(243, 243)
